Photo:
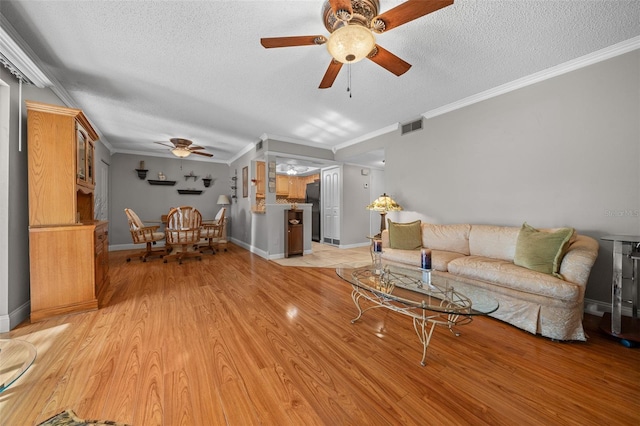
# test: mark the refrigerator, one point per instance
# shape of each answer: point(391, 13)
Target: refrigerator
point(313, 197)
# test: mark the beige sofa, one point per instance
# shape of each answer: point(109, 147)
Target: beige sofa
point(483, 256)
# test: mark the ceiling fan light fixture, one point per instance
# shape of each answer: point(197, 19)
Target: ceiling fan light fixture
point(351, 43)
point(180, 152)
point(291, 171)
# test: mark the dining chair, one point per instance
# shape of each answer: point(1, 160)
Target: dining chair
point(183, 233)
point(213, 232)
point(141, 234)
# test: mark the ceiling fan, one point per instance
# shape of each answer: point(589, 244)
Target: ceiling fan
point(352, 24)
point(184, 147)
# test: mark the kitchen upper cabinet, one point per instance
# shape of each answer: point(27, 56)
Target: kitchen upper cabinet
point(282, 185)
point(260, 178)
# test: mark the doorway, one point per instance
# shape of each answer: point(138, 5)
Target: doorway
point(101, 207)
point(331, 201)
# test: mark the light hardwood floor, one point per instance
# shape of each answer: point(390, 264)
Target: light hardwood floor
point(235, 339)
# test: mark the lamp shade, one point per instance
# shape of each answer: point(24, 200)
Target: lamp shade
point(223, 200)
point(384, 203)
point(351, 43)
point(180, 152)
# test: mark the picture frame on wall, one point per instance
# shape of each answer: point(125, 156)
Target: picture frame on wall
point(245, 182)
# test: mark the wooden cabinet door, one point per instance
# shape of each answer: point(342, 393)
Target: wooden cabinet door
point(293, 186)
point(101, 257)
point(282, 185)
point(296, 241)
point(261, 179)
point(85, 173)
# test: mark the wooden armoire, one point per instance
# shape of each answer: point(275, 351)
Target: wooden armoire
point(68, 249)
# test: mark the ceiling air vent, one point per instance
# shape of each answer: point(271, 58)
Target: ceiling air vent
point(412, 127)
point(259, 145)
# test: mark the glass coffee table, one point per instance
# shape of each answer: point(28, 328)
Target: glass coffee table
point(16, 356)
point(428, 301)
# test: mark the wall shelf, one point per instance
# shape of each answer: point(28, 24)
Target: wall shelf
point(162, 182)
point(195, 178)
point(142, 173)
point(189, 191)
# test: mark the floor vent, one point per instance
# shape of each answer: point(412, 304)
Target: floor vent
point(412, 127)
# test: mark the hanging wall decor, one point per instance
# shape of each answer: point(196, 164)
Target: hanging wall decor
point(245, 182)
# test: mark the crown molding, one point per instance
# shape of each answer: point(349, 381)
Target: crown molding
point(19, 55)
point(575, 64)
point(288, 139)
point(581, 62)
point(242, 152)
point(26, 64)
point(388, 129)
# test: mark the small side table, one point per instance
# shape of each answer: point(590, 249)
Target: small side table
point(627, 329)
point(373, 239)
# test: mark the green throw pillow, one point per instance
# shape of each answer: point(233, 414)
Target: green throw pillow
point(542, 251)
point(405, 236)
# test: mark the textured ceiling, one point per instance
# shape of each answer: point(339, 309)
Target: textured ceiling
point(146, 71)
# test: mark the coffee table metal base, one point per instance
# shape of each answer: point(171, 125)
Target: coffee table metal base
point(424, 321)
point(16, 356)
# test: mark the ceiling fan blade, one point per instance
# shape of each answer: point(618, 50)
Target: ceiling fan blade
point(337, 5)
point(389, 61)
point(180, 141)
point(192, 147)
point(206, 154)
point(331, 74)
point(165, 144)
point(292, 41)
point(406, 12)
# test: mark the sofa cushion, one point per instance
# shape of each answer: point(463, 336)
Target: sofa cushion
point(405, 236)
point(453, 238)
point(407, 257)
point(505, 274)
point(497, 242)
point(439, 259)
point(542, 251)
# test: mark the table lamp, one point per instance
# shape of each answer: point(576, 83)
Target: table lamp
point(223, 200)
point(383, 204)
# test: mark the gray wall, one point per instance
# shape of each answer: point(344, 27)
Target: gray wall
point(243, 227)
point(562, 152)
point(262, 233)
point(150, 202)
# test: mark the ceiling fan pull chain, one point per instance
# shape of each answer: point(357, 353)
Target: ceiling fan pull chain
point(349, 83)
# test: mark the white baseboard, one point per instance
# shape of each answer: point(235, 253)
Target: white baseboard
point(131, 246)
point(7, 322)
point(348, 246)
point(251, 248)
point(597, 307)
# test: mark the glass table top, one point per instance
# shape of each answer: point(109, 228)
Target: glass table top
point(16, 356)
point(411, 288)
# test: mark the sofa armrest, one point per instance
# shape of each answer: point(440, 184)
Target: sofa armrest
point(579, 259)
point(385, 239)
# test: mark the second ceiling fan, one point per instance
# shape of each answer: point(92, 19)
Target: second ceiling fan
point(352, 24)
point(184, 147)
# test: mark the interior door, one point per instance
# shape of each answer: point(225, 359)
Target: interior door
point(101, 207)
point(331, 195)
